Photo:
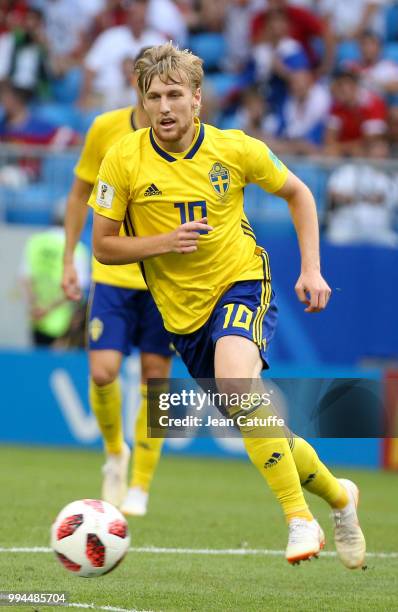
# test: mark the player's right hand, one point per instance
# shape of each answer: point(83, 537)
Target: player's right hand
point(70, 283)
point(185, 238)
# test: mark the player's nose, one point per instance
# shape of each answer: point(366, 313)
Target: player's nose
point(164, 105)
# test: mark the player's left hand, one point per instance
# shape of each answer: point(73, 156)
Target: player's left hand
point(312, 290)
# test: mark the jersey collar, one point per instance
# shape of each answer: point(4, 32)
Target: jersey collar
point(191, 151)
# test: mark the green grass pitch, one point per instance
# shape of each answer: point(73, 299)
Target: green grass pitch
point(195, 504)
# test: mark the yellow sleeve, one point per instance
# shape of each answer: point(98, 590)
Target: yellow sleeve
point(110, 195)
point(90, 158)
point(262, 166)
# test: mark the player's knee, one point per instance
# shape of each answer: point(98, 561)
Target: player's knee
point(102, 374)
point(231, 386)
point(155, 367)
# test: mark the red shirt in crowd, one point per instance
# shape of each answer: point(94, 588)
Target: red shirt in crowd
point(303, 26)
point(366, 117)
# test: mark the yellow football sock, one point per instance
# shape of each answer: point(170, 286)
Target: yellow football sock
point(147, 451)
point(106, 403)
point(273, 459)
point(315, 476)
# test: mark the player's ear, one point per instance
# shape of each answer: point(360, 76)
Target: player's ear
point(197, 101)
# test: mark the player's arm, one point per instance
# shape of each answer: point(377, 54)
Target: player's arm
point(75, 219)
point(112, 249)
point(311, 288)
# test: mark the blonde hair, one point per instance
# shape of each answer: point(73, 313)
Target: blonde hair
point(169, 63)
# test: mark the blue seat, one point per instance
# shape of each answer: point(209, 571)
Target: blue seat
point(58, 114)
point(391, 22)
point(31, 216)
point(222, 83)
point(391, 51)
point(86, 118)
point(67, 88)
point(57, 171)
point(347, 51)
point(210, 46)
point(33, 204)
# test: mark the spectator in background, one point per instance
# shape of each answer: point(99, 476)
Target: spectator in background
point(111, 15)
point(165, 17)
point(125, 95)
point(303, 26)
point(103, 75)
point(349, 19)
point(301, 124)
point(66, 26)
point(252, 115)
point(206, 15)
point(276, 56)
point(23, 58)
point(362, 201)
point(238, 18)
point(53, 318)
point(12, 14)
point(357, 115)
point(20, 126)
point(392, 131)
point(377, 73)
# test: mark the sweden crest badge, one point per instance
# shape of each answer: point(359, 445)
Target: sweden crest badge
point(219, 178)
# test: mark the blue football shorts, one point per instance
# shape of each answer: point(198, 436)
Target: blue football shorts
point(120, 319)
point(247, 309)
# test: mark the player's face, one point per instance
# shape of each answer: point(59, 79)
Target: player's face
point(171, 108)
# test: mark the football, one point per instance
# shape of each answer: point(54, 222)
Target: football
point(90, 537)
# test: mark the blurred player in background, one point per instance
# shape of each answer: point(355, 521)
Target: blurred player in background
point(54, 320)
point(210, 280)
point(122, 314)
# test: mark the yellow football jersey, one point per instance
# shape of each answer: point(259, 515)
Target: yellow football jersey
point(153, 191)
point(105, 131)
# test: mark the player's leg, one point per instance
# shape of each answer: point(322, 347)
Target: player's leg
point(106, 397)
point(154, 343)
point(239, 358)
point(242, 312)
point(107, 344)
point(248, 310)
point(342, 495)
point(147, 451)
point(315, 476)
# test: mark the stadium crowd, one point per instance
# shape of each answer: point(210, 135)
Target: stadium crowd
point(309, 77)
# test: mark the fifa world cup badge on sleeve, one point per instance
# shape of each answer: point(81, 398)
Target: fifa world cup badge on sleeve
point(105, 195)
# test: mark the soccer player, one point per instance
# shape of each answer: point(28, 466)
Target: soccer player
point(122, 313)
point(210, 280)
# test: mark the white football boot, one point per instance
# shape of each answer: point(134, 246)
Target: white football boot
point(115, 471)
point(136, 502)
point(348, 537)
point(306, 540)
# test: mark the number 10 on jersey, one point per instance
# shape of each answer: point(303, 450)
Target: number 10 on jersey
point(187, 212)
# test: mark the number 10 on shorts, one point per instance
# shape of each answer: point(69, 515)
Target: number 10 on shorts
point(239, 314)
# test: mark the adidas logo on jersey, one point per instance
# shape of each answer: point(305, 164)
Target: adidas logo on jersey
point(152, 191)
point(273, 460)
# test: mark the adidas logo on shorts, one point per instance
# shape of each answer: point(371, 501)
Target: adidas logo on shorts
point(152, 191)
